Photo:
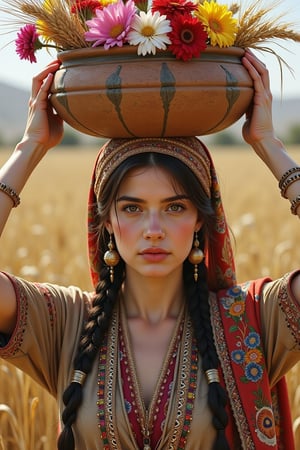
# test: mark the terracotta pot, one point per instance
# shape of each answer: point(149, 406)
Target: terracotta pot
point(115, 93)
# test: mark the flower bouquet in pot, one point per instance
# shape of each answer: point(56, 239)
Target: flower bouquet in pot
point(135, 68)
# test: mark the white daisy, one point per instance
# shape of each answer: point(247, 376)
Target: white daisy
point(149, 32)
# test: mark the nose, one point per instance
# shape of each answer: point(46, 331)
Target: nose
point(153, 227)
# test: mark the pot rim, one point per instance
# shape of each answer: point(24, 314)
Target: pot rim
point(130, 50)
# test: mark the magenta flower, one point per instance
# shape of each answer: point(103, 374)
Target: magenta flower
point(27, 43)
point(111, 24)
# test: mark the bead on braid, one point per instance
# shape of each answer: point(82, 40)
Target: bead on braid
point(197, 298)
point(94, 331)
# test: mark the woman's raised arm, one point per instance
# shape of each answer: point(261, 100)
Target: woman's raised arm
point(258, 131)
point(44, 130)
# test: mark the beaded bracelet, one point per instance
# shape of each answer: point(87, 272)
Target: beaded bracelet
point(287, 174)
point(287, 183)
point(11, 193)
point(294, 205)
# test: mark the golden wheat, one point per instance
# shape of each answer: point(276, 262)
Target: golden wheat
point(45, 239)
point(255, 27)
point(65, 29)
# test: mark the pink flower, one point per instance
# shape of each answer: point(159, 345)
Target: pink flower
point(27, 43)
point(111, 24)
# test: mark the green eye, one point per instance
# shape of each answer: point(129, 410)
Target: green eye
point(176, 207)
point(131, 208)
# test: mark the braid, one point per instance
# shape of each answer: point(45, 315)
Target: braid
point(197, 298)
point(93, 334)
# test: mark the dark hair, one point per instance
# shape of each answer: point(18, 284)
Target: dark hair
point(107, 293)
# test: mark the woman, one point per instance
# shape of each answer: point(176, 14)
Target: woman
point(168, 352)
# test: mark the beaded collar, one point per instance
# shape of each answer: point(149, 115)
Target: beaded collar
point(110, 371)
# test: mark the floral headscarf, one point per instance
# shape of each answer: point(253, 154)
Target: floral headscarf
point(193, 153)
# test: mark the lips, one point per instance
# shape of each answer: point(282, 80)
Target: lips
point(154, 251)
point(154, 254)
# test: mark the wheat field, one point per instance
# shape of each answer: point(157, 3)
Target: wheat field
point(45, 240)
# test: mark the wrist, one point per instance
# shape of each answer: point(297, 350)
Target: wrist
point(273, 153)
point(30, 152)
point(266, 147)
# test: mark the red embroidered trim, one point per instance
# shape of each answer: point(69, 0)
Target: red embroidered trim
point(50, 303)
point(162, 398)
point(101, 401)
point(17, 337)
point(290, 308)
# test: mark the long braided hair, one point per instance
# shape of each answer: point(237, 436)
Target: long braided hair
point(107, 293)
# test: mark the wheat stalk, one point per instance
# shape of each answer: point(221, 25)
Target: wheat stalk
point(256, 28)
point(53, 18)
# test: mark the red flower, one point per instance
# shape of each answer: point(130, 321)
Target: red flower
point(171, 8)
point(188, 37)
point(27, 43)
point(85, 8)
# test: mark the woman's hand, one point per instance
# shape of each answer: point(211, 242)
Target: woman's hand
point(44, 127)
point(259, 124)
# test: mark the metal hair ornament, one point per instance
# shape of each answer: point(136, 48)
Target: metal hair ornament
point(212, 376)
point(78, 377)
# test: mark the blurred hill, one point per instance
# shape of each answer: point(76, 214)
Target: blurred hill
point(14, 101)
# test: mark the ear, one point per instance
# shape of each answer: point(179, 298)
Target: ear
point(198, 225)
point(108, 226)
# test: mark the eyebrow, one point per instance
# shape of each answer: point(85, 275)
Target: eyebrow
point(128, 198)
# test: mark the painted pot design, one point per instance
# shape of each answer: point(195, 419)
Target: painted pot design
point(116, 93)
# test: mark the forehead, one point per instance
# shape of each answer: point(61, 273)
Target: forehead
point(149, 180)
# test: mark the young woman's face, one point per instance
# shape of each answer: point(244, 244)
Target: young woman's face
point(153, 223)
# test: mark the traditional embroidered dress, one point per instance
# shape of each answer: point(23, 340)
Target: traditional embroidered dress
point(253, 362)
point(256, 331)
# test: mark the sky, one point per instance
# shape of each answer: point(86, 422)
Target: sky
point(19, 73)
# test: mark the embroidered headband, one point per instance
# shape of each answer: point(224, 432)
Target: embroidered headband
point(194, 154)
point(187, 150)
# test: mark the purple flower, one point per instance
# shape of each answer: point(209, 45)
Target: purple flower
point(27, 42)
point(111, 24)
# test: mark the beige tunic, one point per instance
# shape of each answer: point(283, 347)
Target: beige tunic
point(45, 341)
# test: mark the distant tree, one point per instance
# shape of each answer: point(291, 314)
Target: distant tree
point(293, 135)
point(225, 138)
point(70, 138)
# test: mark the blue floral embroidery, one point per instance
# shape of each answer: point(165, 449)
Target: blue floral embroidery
point(248, 356)
point(248, 353)
point(252, 340)
point(253, 371)
point(238, 356)
point(128, 406)
point(227, 302)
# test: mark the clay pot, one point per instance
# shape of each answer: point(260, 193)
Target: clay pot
point(115, 93)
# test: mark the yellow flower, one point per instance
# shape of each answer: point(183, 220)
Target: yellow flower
point(41, 25)
point(237, 309)
point(253, 355)
point(107, 2)
point(218, 22)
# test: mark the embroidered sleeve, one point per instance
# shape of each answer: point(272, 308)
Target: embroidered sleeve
point(280, 317)
point(48, 327)
point(290, 307)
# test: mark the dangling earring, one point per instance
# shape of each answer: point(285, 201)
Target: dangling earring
point(111, 258)
point(196, 256)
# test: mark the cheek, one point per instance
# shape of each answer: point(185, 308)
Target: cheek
point(185, 230)
point(123, 232)
point(185, 235)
